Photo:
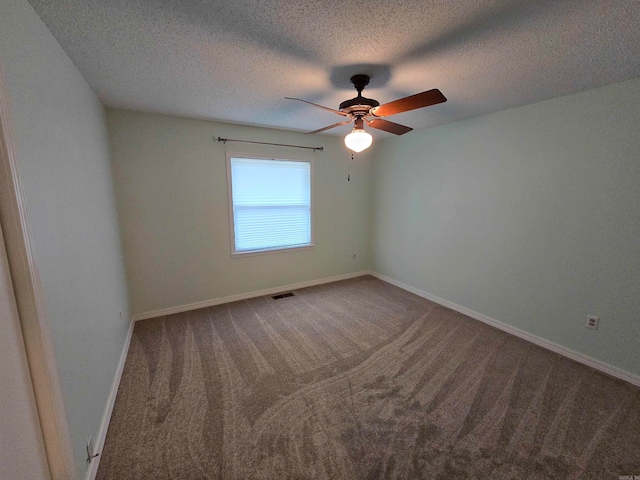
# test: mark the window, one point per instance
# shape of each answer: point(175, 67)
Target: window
point(270, 203)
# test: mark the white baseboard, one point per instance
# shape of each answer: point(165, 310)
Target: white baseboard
point(106, 418)
point(554, 347)
point(244, 296)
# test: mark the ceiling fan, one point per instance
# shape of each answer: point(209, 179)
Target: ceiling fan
point(360, 110)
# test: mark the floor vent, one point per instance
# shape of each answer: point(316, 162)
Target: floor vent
point(282, 295)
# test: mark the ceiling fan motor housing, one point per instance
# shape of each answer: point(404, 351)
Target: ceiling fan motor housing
point(358, 105)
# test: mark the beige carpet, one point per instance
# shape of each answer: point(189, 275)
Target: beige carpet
point(359, 380)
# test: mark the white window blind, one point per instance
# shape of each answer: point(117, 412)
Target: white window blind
point(271, 202)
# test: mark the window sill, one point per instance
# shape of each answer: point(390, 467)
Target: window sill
point(251, 253)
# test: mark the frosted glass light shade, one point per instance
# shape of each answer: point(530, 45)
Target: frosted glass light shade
point(358, 140)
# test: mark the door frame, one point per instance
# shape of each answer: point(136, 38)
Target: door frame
point(34, 323)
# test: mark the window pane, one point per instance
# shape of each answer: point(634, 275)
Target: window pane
point(271, 203)
point(270, 182)
point(259, 227)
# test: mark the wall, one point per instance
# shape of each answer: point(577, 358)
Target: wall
point(530, 216)
point(171, 189)
point(62, 153)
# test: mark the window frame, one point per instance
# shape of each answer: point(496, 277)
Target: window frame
point(284, 158)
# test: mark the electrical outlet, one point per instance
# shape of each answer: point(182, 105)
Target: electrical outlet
point(592, 322)
point(353, 256)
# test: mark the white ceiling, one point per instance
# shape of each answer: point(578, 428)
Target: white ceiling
point(235, 60)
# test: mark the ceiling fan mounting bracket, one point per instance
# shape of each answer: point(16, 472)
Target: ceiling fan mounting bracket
point(360, 81)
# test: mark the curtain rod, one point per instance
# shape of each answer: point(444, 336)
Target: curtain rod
point(225, 140)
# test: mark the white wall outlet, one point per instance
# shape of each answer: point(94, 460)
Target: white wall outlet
point(353, 256)
point(593, 322)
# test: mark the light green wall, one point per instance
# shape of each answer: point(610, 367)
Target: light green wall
point(171, 189)
point(530, 216)
point(62, 153)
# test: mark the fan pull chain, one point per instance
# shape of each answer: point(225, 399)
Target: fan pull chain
point(349, 167)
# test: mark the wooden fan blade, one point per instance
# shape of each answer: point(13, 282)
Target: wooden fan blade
point(388, 126)
point(319, 106)
point(419, 100)
point(330, 126)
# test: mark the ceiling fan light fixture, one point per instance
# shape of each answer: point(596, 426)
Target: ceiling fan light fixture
point(358, 140)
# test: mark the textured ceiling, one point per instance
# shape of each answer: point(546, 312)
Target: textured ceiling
point(234, 61)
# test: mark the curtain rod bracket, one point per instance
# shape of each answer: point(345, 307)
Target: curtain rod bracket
point(225, 140)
